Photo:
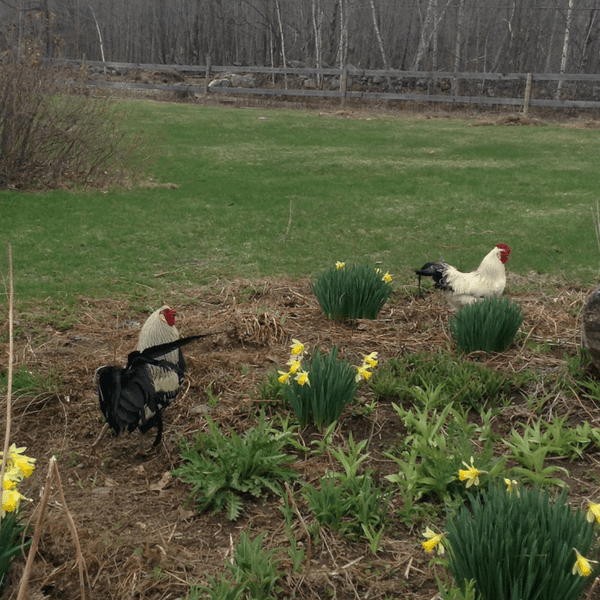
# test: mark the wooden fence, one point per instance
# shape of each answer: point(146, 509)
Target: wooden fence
point(578, 89)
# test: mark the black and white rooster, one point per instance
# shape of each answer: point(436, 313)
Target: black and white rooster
point(134, 396)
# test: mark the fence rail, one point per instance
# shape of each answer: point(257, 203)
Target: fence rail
point(526, 81)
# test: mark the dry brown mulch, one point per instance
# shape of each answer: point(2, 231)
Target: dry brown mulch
point(139, 537)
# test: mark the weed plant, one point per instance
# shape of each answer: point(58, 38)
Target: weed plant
point(332, 387)
point(434, 450)
point(222, 468)
point(356, 292)
point(519, 544)
point(254, 567)
point(350, 503)
point(253, 574)
point(459, 381)
point(488, 326)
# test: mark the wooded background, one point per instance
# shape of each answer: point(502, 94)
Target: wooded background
point(544, 36)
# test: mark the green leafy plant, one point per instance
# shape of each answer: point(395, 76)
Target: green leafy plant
point(519, 544)
point(528, 450)
point(448, 591)
point(253, 574)
point(489, 325)
point(221, 468)
point(350, 503)
point(458, 381)
point(558, 438)
point(254, 568)
point(436, 444)
point(352, 292)
point(218, 588)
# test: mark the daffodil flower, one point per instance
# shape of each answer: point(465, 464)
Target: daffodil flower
point(302, 378)
point(509, 485)
point(593, 512)
point(582, 565)
point(297, 347)
point(295, 364)
point(11, 500)
point(471, 475)
point(363, 373)
point(17, 459)
point(12, 477)
point(339, 265)
point(371, 359)
point(433, 540)
point(283, 377)
point(387, 277)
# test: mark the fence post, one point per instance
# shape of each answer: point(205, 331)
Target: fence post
point(527, 95)
point(343, 85)
point(207, 76)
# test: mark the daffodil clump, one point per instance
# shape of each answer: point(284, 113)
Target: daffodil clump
point(515, 542)
point(352, 292)
point(18, 467)
point(321, 386)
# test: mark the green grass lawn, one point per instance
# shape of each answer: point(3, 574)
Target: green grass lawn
point(380, 188)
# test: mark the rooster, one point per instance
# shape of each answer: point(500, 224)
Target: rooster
point(135, 396)
point(465, 288)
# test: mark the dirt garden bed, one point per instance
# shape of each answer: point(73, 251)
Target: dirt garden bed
point(139, 537)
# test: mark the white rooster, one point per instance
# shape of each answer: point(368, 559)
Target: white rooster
point(465, 288)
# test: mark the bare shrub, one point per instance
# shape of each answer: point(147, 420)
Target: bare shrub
point(52, 132)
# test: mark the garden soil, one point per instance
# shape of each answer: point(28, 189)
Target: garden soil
point(139, 536)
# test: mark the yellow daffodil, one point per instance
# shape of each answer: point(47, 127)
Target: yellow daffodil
point(11, 500)
point(363, 373)
point(387, 277)
point(295, 364)
point(302, 378)
point(297, 347)
point(371, 359)
point(593, 512)
point(510, 483)
point(433, 540)
point(339, 265)
point(582, 565)
point(17, 459)
point(283, 377)
point(12, 477)
point(471, 475)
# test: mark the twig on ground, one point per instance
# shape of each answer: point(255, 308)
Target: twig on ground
point(53, 476)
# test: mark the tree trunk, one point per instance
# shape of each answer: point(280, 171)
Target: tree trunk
point(565, 51)
point(458, 47)
point(317, 22)
point(423, 38)
point(282, 42)
point(380, 43)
